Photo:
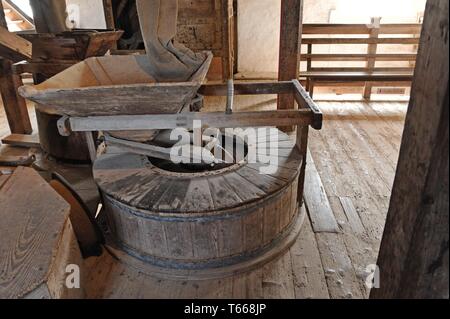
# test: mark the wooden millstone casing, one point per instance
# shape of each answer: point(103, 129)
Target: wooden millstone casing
point(194, 221)
point(72, 148)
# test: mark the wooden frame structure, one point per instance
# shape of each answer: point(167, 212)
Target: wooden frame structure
point(289, 56)
point(376, 34)
point(15, 106)
point(308, 115)
point(290, 45)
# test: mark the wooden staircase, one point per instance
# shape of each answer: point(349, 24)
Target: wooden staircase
point(16, 18)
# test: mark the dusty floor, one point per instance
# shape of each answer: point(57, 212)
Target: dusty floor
point(355, 156)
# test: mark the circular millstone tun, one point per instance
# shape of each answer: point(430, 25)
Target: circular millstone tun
point(193, 219)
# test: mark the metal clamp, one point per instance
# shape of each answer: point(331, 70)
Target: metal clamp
point(63, 125)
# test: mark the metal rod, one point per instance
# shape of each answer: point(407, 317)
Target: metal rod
point(230, 96)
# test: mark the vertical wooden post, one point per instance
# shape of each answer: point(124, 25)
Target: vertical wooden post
point(109, 17)
point(309, 64)
point(15, 106)
point(235, 36)
point(414, 256)
point(302, 145)
point(290, 46)
point(227, 39)
point(309, 60)
point(3, 22)
point(109, 14)
point(372, 49)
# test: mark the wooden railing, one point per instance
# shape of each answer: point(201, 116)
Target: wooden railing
point(373, 36)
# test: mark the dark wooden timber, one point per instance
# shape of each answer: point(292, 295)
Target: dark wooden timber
point(290, 47)
point(227, 39)
point(246, 88)
point(15, 106)
point(109, 14)
point(71, 148)
point(13, 47)
point(414, 259)
point(361, 28)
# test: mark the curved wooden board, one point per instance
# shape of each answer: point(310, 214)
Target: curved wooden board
point(134, 181)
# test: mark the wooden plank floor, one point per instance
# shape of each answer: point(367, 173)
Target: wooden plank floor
point(355, 156)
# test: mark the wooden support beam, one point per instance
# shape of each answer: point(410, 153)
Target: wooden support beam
point(414, 256)
point(335, 28)
point(109, 14)
point(303, 117)
point(227, 39)
point(360, 57)
point(246, 88)
point(326, 41)
point(13, 47)
point(19, 140)
point(109, 18)
point(305, 102)
point(15, 106)
point(290, 47)
point(3, 22)
point(372, 50)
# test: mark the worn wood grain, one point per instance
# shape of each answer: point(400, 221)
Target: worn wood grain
point(77, 91)
point(352, 215)
point(307, 269)
point(13, 47)
point(290, 47)
point(200, 220)
point(316, 199)
point(21, 140)
point(339, 272)
point(32, 238)
point(414, 251)
point(15, 106)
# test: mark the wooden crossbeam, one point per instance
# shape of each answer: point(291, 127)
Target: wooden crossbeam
point(412, 28)
point(316, 41)
point(186, 120)
point(359, 57)
point(13, 47)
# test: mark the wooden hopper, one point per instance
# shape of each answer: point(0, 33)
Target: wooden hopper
point(72, 46)
point(112, 85)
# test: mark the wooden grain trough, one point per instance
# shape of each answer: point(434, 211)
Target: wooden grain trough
point(112, 85)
